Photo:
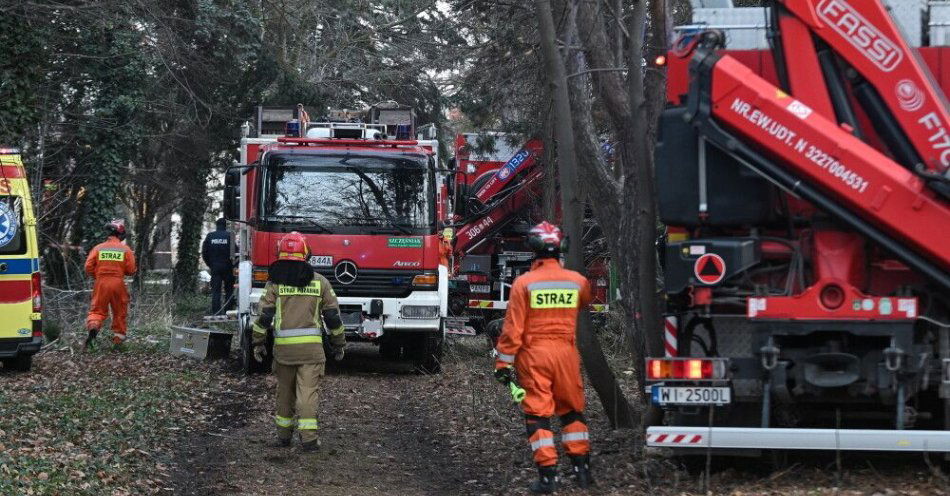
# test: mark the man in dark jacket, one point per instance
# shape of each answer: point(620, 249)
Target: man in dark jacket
point(217, 251)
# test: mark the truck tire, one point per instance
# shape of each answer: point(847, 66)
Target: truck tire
point(429, 351)
point(21, 363)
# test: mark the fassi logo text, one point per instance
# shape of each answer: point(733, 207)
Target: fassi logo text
point(850, 24)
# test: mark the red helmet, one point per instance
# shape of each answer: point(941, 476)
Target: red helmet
point(116, 227)
point(292, 246)
point(546, 239)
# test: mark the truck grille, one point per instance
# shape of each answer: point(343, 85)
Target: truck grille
point(373, 283)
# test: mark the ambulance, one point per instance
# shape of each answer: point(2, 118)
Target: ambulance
point(21, 329)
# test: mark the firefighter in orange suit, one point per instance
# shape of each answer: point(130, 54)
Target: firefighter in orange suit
point(108, 263)
point(297, 304)
point(538, 339)
point(445, 247)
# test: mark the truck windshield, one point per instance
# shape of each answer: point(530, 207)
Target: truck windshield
point(329, 193)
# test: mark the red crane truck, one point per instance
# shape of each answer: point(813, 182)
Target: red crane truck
point(367, 196)
point(806, 269)
point(496, 200)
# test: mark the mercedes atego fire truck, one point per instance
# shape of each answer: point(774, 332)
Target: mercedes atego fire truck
point(364, 190)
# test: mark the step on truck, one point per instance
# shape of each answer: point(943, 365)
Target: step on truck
point(364, 188)
point(806, 267)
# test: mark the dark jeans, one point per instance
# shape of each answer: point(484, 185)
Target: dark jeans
point(219, 278)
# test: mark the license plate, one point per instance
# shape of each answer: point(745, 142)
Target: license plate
point(664, 395)
point(481, 288)
point(321, 261)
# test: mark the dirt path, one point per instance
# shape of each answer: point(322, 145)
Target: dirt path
point(144, 422)
point(384, 430)
point(387, 430)
point(380, 434)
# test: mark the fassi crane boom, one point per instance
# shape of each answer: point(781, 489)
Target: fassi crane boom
point(890, 81)
point(820, 161)
point(506, 192)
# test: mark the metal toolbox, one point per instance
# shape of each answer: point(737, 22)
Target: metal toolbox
point(200, 343)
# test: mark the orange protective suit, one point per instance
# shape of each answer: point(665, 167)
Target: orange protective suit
point(109, 263)
point(445, 247)
point(538, 337)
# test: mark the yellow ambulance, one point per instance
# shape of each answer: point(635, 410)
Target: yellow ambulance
point(21, 328)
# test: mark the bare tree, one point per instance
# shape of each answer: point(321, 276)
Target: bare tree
point(572, 205)
point(631, 96)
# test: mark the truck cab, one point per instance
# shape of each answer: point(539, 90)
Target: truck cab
point(370, 208)
point(21, 330)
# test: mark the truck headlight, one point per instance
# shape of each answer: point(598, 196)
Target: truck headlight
point(420, 311)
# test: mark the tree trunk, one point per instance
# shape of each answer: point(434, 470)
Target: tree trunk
point(192, 212)
point(632, 105)
point(615, 404)
point(549, 205)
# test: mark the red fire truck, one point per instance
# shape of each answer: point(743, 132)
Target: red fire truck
point(366, 195)
point(806, 268)
point(497, 198)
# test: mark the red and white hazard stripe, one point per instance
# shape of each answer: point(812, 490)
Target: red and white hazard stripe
point(674, 439)
point(488, 304)
point(669, 335)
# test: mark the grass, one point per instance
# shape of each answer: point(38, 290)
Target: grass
point(103, 422)
point(190, 306)
point(95, 424)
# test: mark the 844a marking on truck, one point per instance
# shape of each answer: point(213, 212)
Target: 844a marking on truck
point(813, 153)
point(321, 261)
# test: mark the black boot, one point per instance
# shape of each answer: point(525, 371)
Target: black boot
point(547, 480)
point(279, 442)
point(91, 339)
point(310, 446)
point(581, 471)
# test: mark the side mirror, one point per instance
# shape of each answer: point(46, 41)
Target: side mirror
point(232, 194)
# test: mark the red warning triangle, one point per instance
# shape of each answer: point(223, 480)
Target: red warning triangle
point(709, 268)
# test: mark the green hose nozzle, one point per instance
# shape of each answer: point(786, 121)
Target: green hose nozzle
point(517, 393)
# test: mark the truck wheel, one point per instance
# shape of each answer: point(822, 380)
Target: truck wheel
point(429, 353)
point(21, 363)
